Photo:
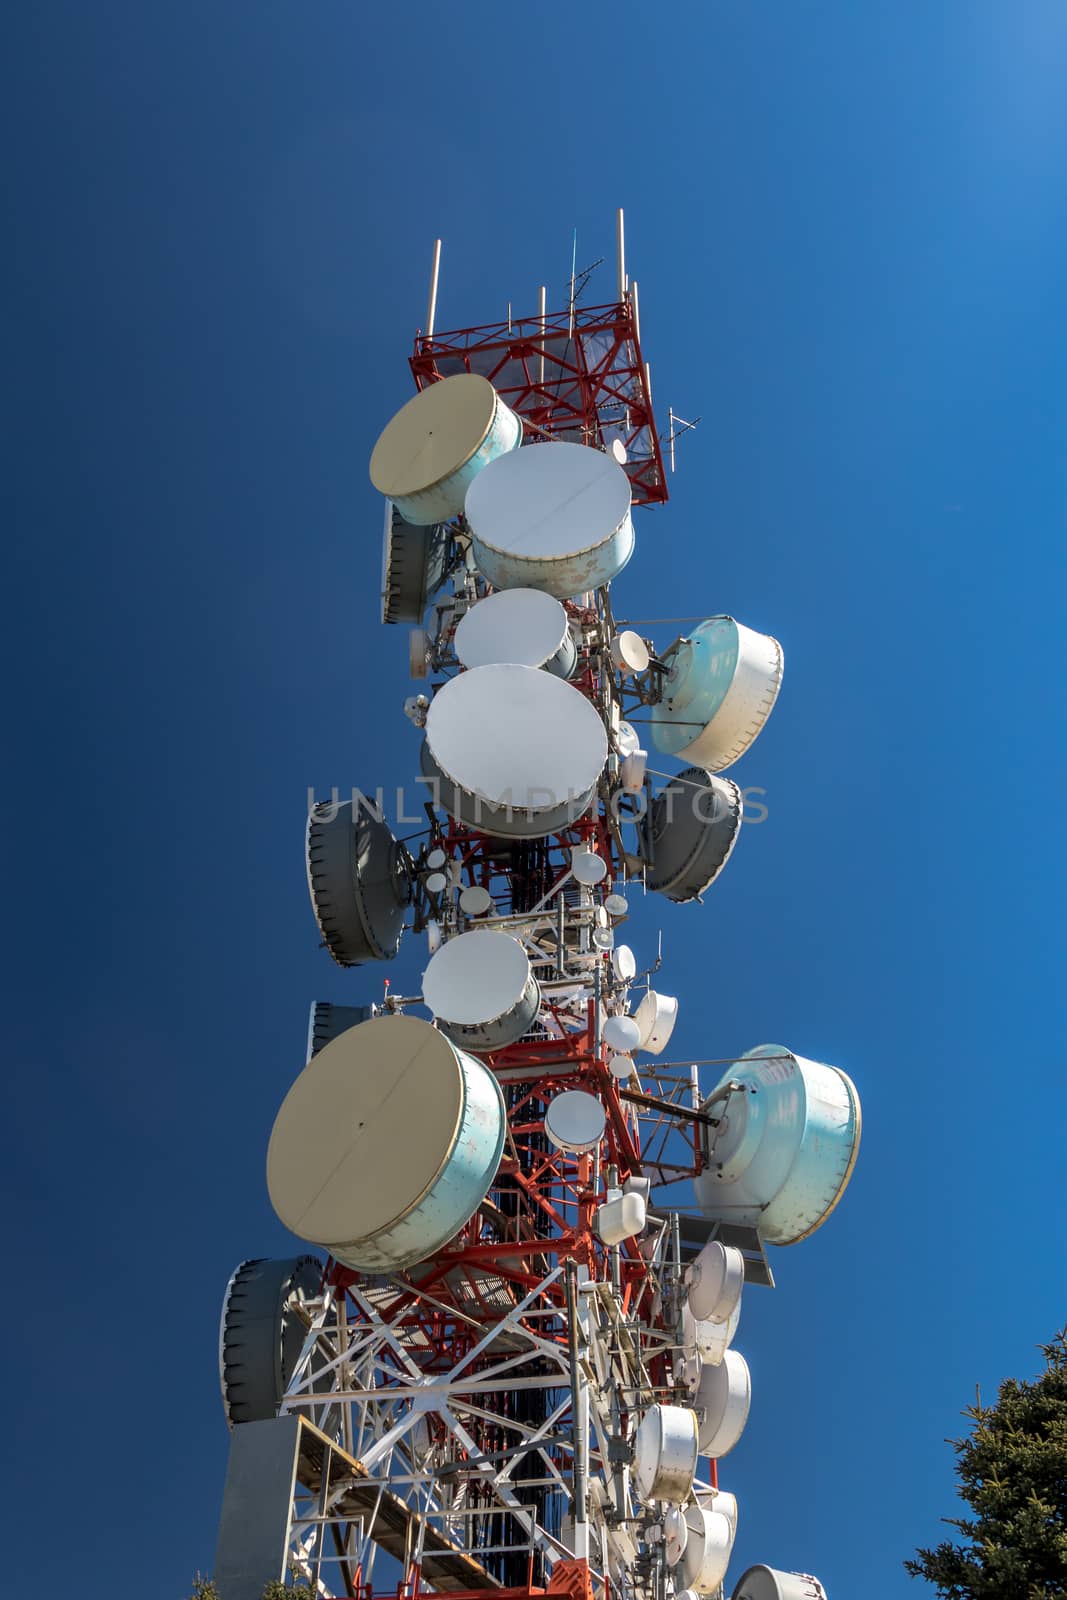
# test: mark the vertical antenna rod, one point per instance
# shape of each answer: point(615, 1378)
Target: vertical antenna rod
point(431, 305)
point(620, 237)
point(543, 309)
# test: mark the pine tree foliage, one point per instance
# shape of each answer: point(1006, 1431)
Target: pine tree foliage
point(204, 1589)
point(1012, 1472)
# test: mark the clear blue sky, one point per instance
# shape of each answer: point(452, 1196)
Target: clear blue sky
point(848, 223)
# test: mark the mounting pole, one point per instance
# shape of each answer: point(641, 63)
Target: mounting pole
point(579, 1421)
point(670, 434)
point(431, 306)
point(620, 240)
point(543, 303)
point(574, 266)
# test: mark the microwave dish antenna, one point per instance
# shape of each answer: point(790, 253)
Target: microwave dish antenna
point(359, 879)
point(261, 1334)
point(767, 1583)
point(575, 1121)
point(693, 826)
point(481, 990)
point(435, 447)
point(392, 1083)
point(720, 687)
point(326, 1021)
point(414, 566)
point(554, 517)
point(522, 626)
point(785, 1147)
point(517, 752)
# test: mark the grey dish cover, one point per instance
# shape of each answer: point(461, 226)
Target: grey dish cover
point(359, 878)
point(692, 828)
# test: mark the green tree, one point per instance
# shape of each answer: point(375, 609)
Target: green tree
point(204, 1589)
point(1012, 1471)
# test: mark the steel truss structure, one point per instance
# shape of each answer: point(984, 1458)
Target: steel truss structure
point(428, 1399)
point(576, 374)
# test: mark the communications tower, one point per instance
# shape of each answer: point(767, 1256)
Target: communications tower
point(503, 1366)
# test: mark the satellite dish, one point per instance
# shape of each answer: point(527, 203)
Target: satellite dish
point(716, 1279)
point(785, 1147)
point(618, 450)
point(433, 935)
point(436, 445)
point(693, 827)
point(603, 939)
point(588, 867)
point(675, 1534)
point(407, 1133)
point(624, 964)
point(522, 626)
point(475, 901)
point(720, 1500)
point(414, 561)
point(436, 883)
point(708, 1341)
point(627, 741)
point(517, 753)
point(575, 1121)
point(767, 1583)
point(720, 690)
point(665, 1454)
point(261, 1335)
point(655, 1018)
point(481, 990)
point(616, 905)
point(724, 1395)
point(621, 1067)
point(629, 653)
point(436, 859)
point(554, 517)
point(622, 1034)
point(707, 1551)
point(359, 879)
point(327, 1021)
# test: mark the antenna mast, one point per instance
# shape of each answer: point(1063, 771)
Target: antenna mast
point(496, 1361)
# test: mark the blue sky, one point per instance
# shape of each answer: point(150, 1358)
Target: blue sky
point(849, 227)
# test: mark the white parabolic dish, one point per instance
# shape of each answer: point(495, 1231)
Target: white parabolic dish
point(767, 1583)
point(655, 1017)
point(622, 1033)
point(575, 1121)
point(588, 867)
point(518, 625)
point(624, 963)
point(513, 736)
point(476, 977)
point(475, 900)
point(551, 516)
